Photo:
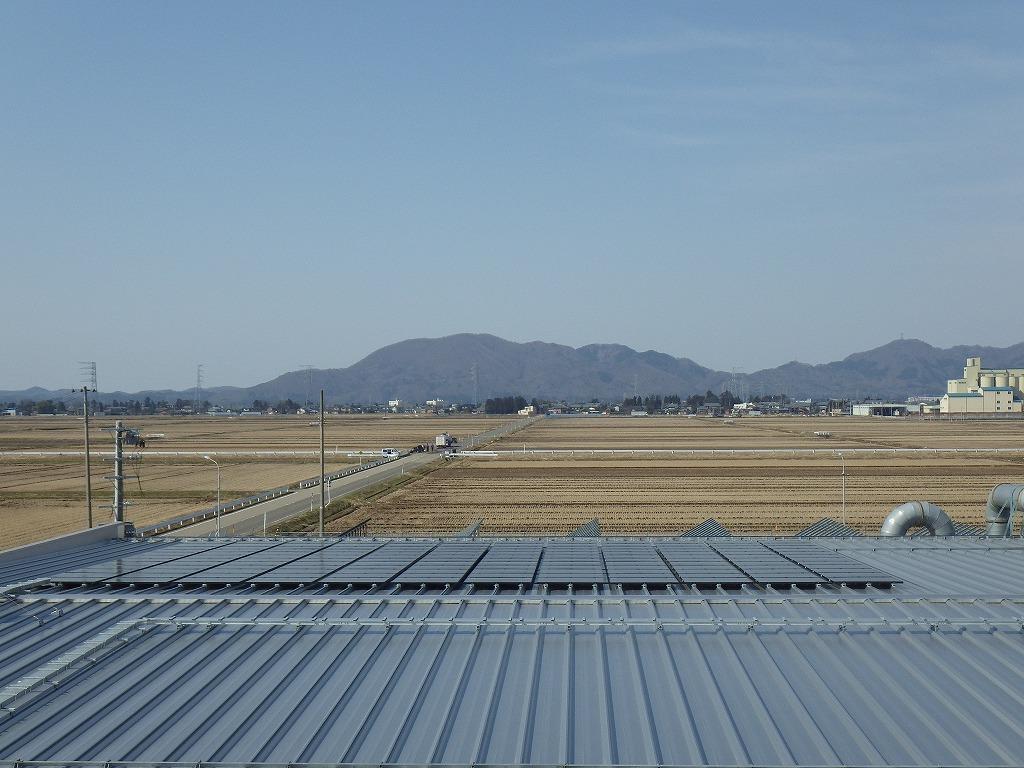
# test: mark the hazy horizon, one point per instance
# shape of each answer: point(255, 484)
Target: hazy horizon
point(240, 384)
point(257, 188)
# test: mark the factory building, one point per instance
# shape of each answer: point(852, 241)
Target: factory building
point(984, 390)
point(885, 409)
point(834, 650)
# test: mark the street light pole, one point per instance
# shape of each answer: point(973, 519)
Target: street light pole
point(218, 493)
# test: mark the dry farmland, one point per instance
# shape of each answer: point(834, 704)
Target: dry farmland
point(680, 432)
point(647, 493)
point(282, 433)
point(42, 497)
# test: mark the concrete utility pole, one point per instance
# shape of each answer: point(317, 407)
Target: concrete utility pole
point(322, 473)
point(118, 477)
point(88, 465)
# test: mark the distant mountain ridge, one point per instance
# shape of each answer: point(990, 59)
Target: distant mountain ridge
point(419, 369)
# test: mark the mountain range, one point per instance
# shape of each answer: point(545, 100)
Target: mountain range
point(419, 369)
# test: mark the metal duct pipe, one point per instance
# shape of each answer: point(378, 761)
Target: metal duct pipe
point(1003, 499)
point(917, 514)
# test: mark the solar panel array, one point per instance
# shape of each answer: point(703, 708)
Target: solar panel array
point(707, 529)
point(729, 563)
point(571, 563)
point(382, 565)
point(697, 563)
point(261, 560)
point(827, 527)
point(176, 571)
point(147, 556)
point(507, 563)
point(831, 565)
point(315, 567)
point(638, 563)
point(764, 565)
point(445, 564)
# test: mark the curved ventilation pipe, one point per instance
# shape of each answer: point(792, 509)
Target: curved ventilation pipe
point(917, 514)
point(1003, 499)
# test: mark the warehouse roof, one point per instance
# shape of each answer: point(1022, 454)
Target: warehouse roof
point(926, 671)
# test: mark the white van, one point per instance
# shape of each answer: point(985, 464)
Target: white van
point(389, 453)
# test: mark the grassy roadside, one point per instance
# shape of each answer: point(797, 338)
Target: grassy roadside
point(344, 511)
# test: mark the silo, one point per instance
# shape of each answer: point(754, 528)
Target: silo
point(1002, 380)
point(988, 380)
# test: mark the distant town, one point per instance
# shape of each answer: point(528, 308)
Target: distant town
point(979, 392)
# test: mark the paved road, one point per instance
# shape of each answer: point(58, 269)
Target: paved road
point(249, 521)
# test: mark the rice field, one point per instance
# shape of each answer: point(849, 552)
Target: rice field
point(41, 497)
point(643, 493)
point(693, 433)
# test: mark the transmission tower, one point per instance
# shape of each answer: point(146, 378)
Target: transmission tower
point(309, 387)
point(196, 402)
point(474, 377)
point(87, 369)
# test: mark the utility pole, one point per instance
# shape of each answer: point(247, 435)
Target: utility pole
point(118, 477)
point(88, 464)
point(322, 473)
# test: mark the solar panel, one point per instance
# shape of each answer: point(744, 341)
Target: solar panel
point(708, 528)
point(571, 563)
point(763, 565)
point(837, 568)
point(176, 570)
point(147, 556)
point(381, 565)
point(316, 566)
point(829, 528)
point(446, 564)
point(245, 569)
point(629, 563)
point(589, 529)
point(697, 563)
point(507, 563)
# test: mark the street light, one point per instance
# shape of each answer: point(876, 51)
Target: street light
point(843, 460)
point(218, 493)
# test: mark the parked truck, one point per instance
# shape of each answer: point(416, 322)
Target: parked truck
point(444, 440)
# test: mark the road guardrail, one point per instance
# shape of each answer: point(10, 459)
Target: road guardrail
point(236, 504)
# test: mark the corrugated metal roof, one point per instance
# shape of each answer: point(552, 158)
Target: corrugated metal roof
point(930, 672)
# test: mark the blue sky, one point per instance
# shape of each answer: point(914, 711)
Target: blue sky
point(259, 186)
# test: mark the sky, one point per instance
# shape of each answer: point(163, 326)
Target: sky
point(260, 186)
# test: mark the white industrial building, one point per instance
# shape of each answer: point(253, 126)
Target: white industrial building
point(885, 409)
point(984, 390)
